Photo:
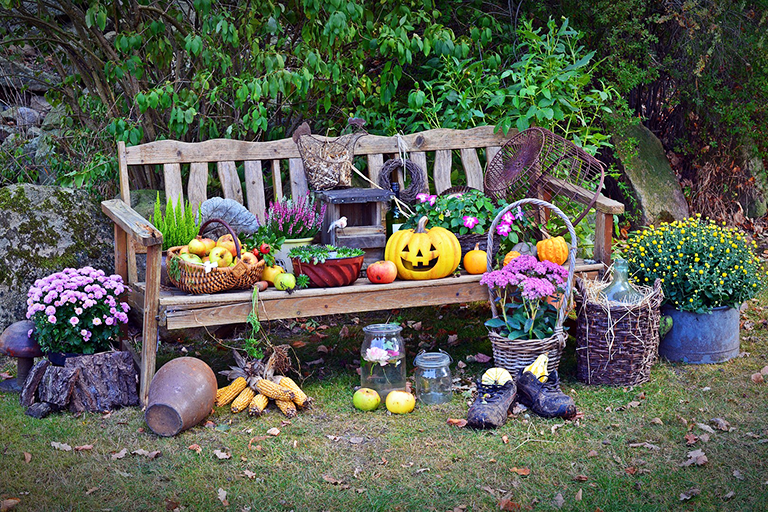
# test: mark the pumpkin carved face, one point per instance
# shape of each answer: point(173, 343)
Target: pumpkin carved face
point(423, 254)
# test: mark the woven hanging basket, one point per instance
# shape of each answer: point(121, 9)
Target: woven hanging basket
point(193, 278)
point(327, 162)
point(617, 344)
point(514, 355)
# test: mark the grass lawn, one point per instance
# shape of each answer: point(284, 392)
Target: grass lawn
point(626, 453)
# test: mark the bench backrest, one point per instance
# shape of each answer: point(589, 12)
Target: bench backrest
point(262, 163)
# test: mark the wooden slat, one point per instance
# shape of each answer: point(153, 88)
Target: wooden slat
point(277, 182)
point(490, 154)
point(230, 181)
point(125, 195)
point(150, 323)
point(298, 178)
point(420, 159)
point(442, 170)
point(121, 253)
point(375, 163)
point(174, 190)
point(131, 222)
point(254, 189)
point(472, 168)
point(197, 186)
point(584, 196)
point(603, 236)
point(215, 150)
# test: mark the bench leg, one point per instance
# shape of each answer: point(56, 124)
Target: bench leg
point(603, 236)
point(150, 328)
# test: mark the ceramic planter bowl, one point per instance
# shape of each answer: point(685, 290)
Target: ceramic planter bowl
point(330, 273)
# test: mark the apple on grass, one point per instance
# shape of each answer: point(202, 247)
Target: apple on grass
point(381, 272)
point(366, 399)
point(221, 256)
point(400, 402)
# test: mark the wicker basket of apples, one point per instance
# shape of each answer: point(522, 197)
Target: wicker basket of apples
point(208, 266)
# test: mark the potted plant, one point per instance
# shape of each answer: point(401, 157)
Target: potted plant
point(528, 311)
point(707, 270)
point(469, 216)
point(326, 265)
point(76, 311)
point(297, 221)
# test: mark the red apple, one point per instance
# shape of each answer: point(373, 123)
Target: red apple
point(228, 243)
point(381, 272)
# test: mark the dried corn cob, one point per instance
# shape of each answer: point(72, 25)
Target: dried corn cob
point(270, 389)
point(258, 405)
point(301, 399)
point(243, 400)
point(288, 407)
point(228, 393)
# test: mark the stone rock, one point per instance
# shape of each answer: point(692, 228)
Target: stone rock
point(754, 201)
point(15, 75)
point(143, 201)
point(652, 177)
point(39, 103)
point(43, 230)
point(54, 119)
point(26, 116)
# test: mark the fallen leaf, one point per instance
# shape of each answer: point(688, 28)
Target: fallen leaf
point(505, 439)
point(274, 431)
point(195, 447)
point(577, 497)
point(408, 465)
point(453, 340)
point(222, 455)
point(690, 493)
point(704, 438)
point(249, 474)
point(705, 428)
point(91, 491)
point(298, 344)
point(422, 470)
point(729, 495)
point(737, 474)
point(416, 326)
point(61, 446)
point(356, 440)
point(592, 453)
point(644, 445)
point(764, 370)
point(333, 438)
point(657, 421)
point(505, 504)
point(461, 423)
point(222, 495)
point(461, 365)
point(554, 428)
point(631, 470)
point(482, 358)
point(691, 438)
point(9, 504)
point(172, 506)
point(695, 457)
point(558, 501)
point(322, 349)
point(123, 473)
point(361, 490)
point(150, 455)
point(581, 478)
point(119, 455)
point(633, 403)
point(27, 457)
point(757, 378)
point(721, 424)
point(521, 471)
point(344, 332)
point(331, 480)
point(83, 447)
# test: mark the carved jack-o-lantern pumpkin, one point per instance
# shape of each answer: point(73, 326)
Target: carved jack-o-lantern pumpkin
point(423, 254)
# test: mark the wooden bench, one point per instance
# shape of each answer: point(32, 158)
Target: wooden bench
point(262, 164)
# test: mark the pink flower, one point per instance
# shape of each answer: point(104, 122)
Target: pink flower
point(432, 200)
point(52, 319)
point(97, 321)
point(508, 218)
point(423, 198)
point(74, 320)
point(503, 229)
point(377, 355)
point(470, 221)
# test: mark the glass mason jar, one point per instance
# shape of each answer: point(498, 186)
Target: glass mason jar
point(434, 384)
point(382, 357)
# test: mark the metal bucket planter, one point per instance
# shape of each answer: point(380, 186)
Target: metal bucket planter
point(701, 338)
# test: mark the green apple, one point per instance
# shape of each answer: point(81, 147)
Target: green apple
point(191, 258)
point(366, 399)
point(285, 281)
point(221, 256)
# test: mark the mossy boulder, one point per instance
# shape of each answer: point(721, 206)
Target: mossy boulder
point(44, 229)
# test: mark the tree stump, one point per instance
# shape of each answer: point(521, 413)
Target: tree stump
point(93, 383)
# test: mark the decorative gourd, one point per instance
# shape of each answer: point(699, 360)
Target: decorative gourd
point(525, 248)
point(553, 249)
point(510, 256)
point(423, 254)
point(476, 261)
point(496, 376)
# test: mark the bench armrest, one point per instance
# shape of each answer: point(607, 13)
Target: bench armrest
point(136, 226)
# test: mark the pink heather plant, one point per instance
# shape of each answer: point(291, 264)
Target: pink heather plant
point(522, 288)
point(76, 310)
point(295, 219)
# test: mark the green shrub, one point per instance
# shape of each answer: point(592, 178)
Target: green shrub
point(177, 224)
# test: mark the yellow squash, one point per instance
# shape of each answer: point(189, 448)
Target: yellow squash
point(553, 249)
point(510, 256)
point(476, 261)
point(423, 254)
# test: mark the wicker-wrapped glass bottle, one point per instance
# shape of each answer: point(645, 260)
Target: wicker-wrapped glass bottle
point(382, 359)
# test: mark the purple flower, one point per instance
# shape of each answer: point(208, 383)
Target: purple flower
point(52, 319)
point(432, 200)
point(74, 320)
point(50, 311)
point(423, 197)
point(508, 218)
point(97, 321)
point(470, 222)
point(503, 229)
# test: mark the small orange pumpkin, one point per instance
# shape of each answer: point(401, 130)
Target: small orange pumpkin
point(476, 261)
point(553, 249)
point(510, 256)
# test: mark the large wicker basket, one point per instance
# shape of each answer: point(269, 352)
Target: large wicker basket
point(197, 279)
point(514, 355)
point(617, 344)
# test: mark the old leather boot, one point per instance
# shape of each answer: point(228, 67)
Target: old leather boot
point(489, 409)
point(544, 398)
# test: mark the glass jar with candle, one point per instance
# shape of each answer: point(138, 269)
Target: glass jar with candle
point(382, 359)
point(434, 383)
